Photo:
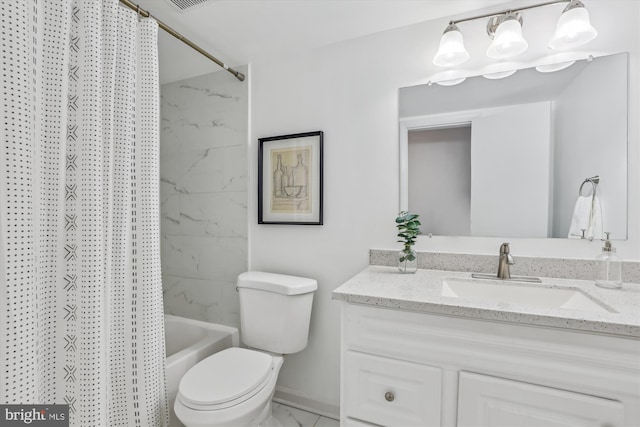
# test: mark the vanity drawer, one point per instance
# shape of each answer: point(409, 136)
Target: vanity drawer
point(391, 392)
point(398, 334)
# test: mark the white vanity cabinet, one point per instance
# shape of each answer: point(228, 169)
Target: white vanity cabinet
point(411, 368)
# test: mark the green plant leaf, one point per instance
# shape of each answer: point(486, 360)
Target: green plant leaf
point(408, 228)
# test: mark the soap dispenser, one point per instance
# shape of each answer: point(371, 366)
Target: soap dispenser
point(608, 267)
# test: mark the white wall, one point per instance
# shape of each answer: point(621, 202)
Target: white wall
point(350, 91)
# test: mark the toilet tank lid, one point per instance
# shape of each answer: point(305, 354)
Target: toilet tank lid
point(278, 283)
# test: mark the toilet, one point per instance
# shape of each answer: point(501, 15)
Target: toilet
point(234, 387)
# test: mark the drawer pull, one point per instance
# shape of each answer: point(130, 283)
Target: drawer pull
point(389, 396)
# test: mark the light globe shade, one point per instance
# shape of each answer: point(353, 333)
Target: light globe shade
point(574, 29)
point(451, 51)
point(507, 41)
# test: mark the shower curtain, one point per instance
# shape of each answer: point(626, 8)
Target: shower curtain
point(81, 318)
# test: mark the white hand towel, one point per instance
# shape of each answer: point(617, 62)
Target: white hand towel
point(587, 216)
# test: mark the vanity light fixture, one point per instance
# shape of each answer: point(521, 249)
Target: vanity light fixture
point(451, 51)
point(574, 27)
point(506, 32)
point(505, 28)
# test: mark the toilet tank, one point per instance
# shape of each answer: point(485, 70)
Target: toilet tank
point(275, 311)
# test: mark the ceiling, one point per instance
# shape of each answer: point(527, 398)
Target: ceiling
point(240, 32)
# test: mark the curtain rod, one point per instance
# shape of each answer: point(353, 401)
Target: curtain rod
point(183, 39)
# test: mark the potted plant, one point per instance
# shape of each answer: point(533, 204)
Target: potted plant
point(408, 228)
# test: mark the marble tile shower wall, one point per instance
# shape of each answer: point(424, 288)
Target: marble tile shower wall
point(203, 189)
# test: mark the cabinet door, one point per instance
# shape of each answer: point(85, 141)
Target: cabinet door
point(489, 401)
point(391, 392)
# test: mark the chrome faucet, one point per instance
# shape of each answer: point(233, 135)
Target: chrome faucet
point(504, 262)
point(503, 269)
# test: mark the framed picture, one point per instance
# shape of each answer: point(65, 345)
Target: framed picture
point(290, 179)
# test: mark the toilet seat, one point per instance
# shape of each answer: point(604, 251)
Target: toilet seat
point(225, 379)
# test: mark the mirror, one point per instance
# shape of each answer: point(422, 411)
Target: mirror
point(508, 157)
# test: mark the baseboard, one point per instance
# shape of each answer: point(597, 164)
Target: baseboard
point(296, 399)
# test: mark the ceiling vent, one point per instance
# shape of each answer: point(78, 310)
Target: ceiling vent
point(184, 5)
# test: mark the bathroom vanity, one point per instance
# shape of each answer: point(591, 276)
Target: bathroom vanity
point(438, 348)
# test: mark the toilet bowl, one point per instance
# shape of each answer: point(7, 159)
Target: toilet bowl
point(234, 388)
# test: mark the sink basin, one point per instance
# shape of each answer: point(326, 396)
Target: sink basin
point(517, 293)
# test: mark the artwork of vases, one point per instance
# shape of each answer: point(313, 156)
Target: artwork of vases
point(290, 182)
point(291, 179)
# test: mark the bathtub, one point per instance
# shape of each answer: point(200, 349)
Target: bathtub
point(189, 341)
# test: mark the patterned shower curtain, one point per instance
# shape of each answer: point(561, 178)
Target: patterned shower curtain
point(81, 319)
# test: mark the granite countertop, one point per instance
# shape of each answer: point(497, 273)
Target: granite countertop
point(385, 287)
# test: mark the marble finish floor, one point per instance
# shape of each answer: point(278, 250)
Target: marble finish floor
point(293, 417)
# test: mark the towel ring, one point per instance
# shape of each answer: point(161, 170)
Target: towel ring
point(594, 180)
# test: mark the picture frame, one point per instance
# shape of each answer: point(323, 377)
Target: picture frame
point(290, 179)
